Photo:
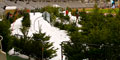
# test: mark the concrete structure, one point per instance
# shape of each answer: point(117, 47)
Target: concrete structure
point(61, 0)
point(2, 55)
point(1, 0)
point(32, 4)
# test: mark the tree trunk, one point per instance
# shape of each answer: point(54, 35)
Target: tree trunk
point(100, 3)
point(119, 3)
point(29, 58)
point(38, 59)
point(119, 6)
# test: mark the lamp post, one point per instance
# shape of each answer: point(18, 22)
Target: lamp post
point(43, 43)
point(61, 51)
point(1, 38)
point(64, 42)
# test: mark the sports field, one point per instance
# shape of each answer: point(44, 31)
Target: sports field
point(106, 10)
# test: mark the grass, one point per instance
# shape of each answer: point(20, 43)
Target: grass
point(106, 10)
point(14, 58)
point(109, 10)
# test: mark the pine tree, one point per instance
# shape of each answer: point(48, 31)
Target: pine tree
point(5, 32)
point(42, 47)
point(26, 20)
point(99, 39)
point(37, 47)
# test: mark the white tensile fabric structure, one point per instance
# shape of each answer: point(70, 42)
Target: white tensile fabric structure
point(37, 22)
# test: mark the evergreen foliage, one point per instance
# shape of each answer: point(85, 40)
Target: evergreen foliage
point(34, 47)
point(51, 10)
point(41, 41)
point(99, 39)
point(26, 20)
point(11, 17)
point(69, 27)
point(5, 32)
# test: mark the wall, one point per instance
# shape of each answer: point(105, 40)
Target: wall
point(1, 0)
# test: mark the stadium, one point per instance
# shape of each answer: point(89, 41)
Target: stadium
point(31, 4)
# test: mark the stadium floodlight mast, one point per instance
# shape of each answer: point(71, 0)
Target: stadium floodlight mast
point(1, 38)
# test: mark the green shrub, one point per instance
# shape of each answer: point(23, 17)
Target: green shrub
point(5, 32)
point(99, 39)
point(26, 20)
point(66, 17)
point(62, 17)
point(51, 10)
point(11, 20)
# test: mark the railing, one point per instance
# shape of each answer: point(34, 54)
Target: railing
point(1, 38)
point(2, 54)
